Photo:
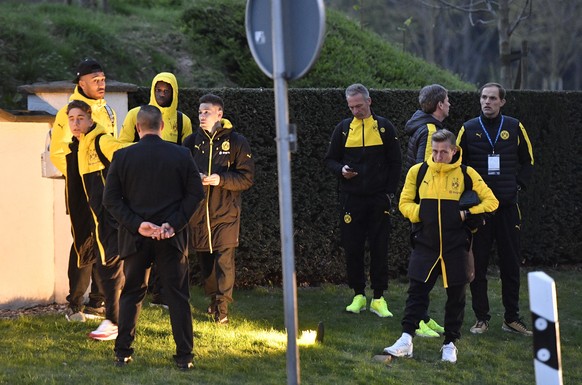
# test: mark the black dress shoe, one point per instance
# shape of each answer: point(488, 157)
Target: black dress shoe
point(122, 361)
point(184, 366)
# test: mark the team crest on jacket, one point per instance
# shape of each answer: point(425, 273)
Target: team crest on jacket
point(455, 184)
point(347, 218)
point(93, 157)
point(504, 135)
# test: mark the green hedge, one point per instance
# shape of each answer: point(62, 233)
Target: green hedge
point(550, 207)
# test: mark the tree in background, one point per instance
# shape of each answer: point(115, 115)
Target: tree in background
point(555, 55)
point(507, 15)
point(467, 36)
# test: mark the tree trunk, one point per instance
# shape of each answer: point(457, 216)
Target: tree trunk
point(504, 44)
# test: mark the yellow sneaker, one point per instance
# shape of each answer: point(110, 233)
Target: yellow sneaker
point(425, 331)
point(380, 307)
point(358, 304)
point(435, 327)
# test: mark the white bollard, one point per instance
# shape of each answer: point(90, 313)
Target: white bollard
point(546, 331)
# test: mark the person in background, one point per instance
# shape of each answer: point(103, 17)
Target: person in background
point(153, 219)
point(227, 169)
point(177, 126)
point(498, 147)
point(434, 108)
point(441, 239)
point(91, 83)
point(365, 155)
point(91, 151)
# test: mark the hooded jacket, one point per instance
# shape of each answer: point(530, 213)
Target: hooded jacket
point(94, 230)
point(61, 135)
point(169, 114)
point(216, 222)
point(420, 128)
point(439, 235)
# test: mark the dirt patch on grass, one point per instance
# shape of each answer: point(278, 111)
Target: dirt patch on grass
point(53, 308)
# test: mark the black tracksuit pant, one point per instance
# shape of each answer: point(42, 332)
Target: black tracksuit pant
point(79, 279)
point(418, 301)
point(218, 274)
point(504, 228)
point(173, 270)
point(365, 218)
point(110, 281)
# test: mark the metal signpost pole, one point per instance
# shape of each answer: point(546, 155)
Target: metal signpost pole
point(285, 38)
point(285, 197)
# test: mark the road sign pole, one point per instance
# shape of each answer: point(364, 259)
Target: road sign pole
point(285, 196)
point(296, 29)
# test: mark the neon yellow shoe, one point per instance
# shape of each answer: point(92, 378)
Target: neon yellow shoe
point(380, 307)
point(358, 304)
point(425, 331)
point(435, 327)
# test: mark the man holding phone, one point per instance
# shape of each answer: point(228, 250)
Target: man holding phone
point(365, 155)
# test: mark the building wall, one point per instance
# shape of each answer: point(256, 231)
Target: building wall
point(34, 229)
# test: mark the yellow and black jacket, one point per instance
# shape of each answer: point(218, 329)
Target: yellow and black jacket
point(370, 147)
point(169, 114)
point(101, 113)
point(94, 229)
point(439, 235)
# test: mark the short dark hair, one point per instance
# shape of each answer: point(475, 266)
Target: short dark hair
point(356, 89)
point(149, 118)
point(502, 91)
point(80, 105)
point(444, 135)
point(215, 100)
point(430, 96)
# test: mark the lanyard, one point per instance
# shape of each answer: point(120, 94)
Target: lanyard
point(487, 134)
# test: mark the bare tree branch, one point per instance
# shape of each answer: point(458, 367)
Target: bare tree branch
point(522, 15)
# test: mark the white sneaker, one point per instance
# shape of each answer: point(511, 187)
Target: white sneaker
point(449, 352)
point(402, 347)
point(105, 332)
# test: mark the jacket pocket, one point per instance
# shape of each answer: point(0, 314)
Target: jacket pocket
point(415, 230)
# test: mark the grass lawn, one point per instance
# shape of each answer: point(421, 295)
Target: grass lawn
point(251, 350)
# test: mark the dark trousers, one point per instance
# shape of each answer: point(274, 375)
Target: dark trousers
point(79, 279)
point(110, 281)
point(504, 229)
point(418, 301)
point(365, 218)
point(218, 274)
point(155, 285)
point(174, 272)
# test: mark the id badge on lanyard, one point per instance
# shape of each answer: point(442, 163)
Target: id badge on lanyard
point(493, 159)
point(493, 164)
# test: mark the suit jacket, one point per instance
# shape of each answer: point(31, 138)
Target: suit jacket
point(152, 181)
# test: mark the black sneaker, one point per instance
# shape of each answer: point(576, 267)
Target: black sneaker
point(221, 319)
point(212, 307)
point(159, 303)
point(74, 315)
point(94, 312)
point(184, 366)
point(516, 327)
point(122, 361)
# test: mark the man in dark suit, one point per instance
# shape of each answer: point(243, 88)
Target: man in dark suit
point(152, 189)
